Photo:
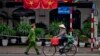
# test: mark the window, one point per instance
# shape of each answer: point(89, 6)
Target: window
point(13, 4)
point(1, 5)
point(14, 0)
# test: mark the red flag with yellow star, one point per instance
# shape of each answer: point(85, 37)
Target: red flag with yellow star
point(49, 4)
point(31, 4)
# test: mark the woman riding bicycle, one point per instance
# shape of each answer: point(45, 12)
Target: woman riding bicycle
point(58, 41)
point(62, 34)
point(64, 37)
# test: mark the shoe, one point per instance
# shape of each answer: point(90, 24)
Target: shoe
point(61, 51)
point(26, 53)
point(38, 53)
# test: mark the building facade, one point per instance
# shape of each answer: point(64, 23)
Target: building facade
point(12, 13)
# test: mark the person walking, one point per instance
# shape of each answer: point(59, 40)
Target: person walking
point(32, 41)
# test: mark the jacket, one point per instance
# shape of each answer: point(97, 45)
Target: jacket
point(62, 33)
point(32, 36)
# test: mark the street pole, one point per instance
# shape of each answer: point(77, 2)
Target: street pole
point(94, 25)
point(92, 28)
point(71, 21)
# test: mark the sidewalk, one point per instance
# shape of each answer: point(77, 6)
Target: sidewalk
point(21, 49)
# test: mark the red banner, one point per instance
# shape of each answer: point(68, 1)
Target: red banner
point(49, 4)
point(31, 4)
point(43, 4)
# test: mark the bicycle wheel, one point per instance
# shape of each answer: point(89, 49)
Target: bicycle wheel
point(49, 50)
point(70, 51)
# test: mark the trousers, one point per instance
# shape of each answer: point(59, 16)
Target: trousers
point(32, 44)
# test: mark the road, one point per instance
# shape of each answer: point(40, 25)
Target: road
point(49, 55)
point(19, 51)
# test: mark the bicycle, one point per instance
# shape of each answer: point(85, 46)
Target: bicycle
point(52, 50)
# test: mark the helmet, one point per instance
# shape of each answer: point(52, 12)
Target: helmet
point(62, 26)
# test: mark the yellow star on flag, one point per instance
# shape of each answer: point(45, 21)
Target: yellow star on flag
point(31, 2)
point(50, 2)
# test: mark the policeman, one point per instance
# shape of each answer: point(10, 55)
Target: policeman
point(32, 40)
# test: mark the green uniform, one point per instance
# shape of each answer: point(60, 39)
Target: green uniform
point(32, 41)
point(31, 35)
